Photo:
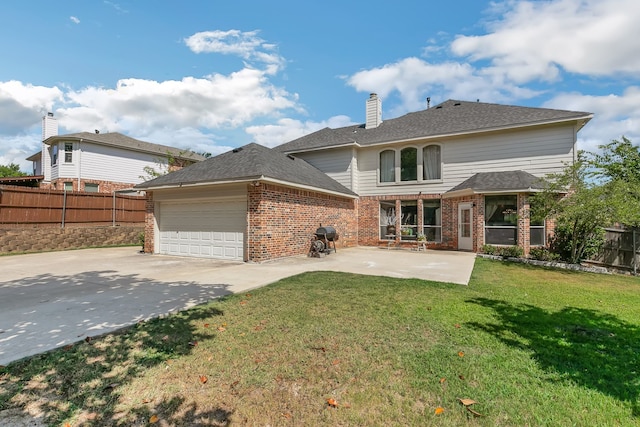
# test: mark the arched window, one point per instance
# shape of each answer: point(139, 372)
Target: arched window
point(431, 162)
point(409, 164)
point(388, 166)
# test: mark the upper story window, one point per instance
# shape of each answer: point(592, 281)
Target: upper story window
point(68, 152)
point(388, 166)
point(410, 165)
point(54, 155)
point(431, 164)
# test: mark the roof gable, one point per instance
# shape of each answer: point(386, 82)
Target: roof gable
point(116, 139)
point(250, 162)
point(449, 118)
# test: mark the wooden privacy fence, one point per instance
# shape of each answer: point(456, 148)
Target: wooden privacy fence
point(34, 206)
point(621, 249)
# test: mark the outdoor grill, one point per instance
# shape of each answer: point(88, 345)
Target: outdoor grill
point(325, 236)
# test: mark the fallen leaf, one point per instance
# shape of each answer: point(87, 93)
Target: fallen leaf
point(335, 362)
point(193, 343)
point(243, 302)
point(168, 361)
point(477, 414)
point(67, 425)
point(466, 402)
point(461, 377)
point(286, 415)
point(439, 410)
point(203, 379)
point(332, 403)
point(457, 325)
point(241, 334)
point(442, 380)
point(461, 353)
point(224, 325)
point(206, 325)
point(146, 401)
point(154, 419)
point(247, 295)
point(221, 328)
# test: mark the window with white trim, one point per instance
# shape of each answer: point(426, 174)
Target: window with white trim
point(432, 220)
point(91, 187)
point(68, 152)
point(408, 219)
point(537, 231)
point(431, 163)
point(501, 220)
point(409, 165)
point(388, 166)
point(54, 155)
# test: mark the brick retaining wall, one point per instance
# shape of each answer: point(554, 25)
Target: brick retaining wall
point(20, 240)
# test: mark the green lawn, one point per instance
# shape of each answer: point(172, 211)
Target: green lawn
point(531, 346)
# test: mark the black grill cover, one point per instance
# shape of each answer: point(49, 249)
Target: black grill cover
point(327, 232)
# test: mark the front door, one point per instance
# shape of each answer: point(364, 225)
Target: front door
point(465, 227)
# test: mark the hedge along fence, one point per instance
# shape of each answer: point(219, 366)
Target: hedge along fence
point(41, 207)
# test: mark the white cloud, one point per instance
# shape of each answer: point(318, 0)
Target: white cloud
point(74, 19)
point(15, 149)
point(23, 105)
point(614, 116)
point(289, 129)
point(414, 79)
point(535, 39)
point(140, 106)
point(247, 45)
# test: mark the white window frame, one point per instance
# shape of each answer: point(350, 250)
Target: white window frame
point(419, 166)
point(437, 227)
point(68, 154)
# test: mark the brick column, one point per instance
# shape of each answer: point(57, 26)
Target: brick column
point(149, 224)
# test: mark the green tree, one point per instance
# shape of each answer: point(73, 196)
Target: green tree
point(617, 167)
point(10, 170)
point(580, 207)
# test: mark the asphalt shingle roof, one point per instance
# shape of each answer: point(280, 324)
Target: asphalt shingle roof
point(449, 118)
point(500, 181)
point(116, 139)
point(250, 162)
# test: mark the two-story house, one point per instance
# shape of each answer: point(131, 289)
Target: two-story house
point(101, 162)
point(459, 173)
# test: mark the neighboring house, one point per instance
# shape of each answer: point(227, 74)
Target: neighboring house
point(460, 173)
point(101, 162)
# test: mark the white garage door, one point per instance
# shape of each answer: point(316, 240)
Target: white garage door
point(206, 229)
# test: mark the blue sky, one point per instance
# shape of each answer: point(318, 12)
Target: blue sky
point(211, 75)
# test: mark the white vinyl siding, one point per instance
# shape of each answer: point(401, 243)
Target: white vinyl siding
point(203, 229)
point(337, 163)
point(537, 151)
point(114, 164)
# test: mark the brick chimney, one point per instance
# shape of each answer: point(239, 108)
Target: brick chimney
point(374, 112)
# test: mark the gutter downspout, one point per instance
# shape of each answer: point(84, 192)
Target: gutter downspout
point(79, 162)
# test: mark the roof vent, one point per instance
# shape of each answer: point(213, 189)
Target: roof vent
point(438, 107)
point(97, 131)
point(456, 104)
point(291, 157)
point(237, 150)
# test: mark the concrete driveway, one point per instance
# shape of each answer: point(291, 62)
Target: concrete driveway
point(49, 300)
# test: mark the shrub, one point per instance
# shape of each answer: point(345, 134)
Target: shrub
point(561, 243)
point(511, 252)
point(543, 254)
point(490, 250)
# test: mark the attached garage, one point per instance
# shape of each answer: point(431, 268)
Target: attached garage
point(205, 228)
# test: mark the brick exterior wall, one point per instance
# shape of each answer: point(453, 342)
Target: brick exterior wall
point(282, 220)
point(21, 240)
point(369, 221)
point(103, 186)
point(149, 224)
